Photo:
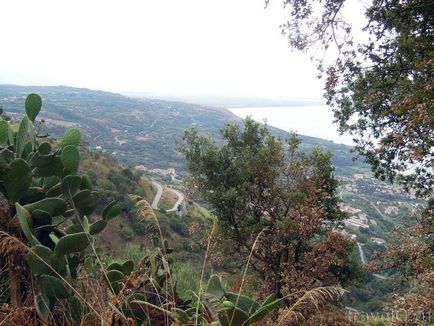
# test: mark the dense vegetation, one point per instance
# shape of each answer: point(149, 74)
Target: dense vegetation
point(381, 89)
point(53, 271)
point(380, 86)
point(149, 139)
point(81, 245)
point(276, 209)
point(128, 235)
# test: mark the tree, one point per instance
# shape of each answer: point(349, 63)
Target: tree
point(279, 205)
point(413, 256)
point(382, 89)
point(382, 93)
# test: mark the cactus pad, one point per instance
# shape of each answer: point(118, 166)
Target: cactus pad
point(33, 105)
point(52, 287)
point(53, 206)
point(72, 243)
point(44, 148)
point(70, 158)
point(111, 210)
point(17, 179)
point(71, 137)
point(38, 259)
point(70, 185)
point(4, 132)
point(97, 226)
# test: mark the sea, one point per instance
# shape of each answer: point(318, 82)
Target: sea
point(315, 121)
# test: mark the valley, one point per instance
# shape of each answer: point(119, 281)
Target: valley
point(142, 135)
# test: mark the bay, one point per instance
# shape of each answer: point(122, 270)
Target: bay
point(315, 121)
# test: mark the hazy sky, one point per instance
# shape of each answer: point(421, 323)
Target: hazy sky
point(183, 47)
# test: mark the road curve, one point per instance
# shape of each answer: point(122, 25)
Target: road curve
point(178, 202)
point(362, 255)
point(363, 259)
point(157, 196)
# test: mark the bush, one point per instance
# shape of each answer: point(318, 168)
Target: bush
point(179, 227)
point(139, 227)
point(127, 233)
point(187, 278)
point(134, 252)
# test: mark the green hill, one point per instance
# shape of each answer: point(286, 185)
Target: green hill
point(135, 132)
point(139, 131)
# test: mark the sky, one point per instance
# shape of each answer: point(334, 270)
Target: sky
point(180, 47)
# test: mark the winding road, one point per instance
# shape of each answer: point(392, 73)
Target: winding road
point(178, 202)
point(363, 259)
point(159, 193)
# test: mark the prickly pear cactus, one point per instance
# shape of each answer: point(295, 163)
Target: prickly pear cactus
point(33, 105)
point(235, 309)
point(49, 204)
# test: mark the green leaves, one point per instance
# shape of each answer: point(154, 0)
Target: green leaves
point(54, 167)
point(25, 134)
point(267, 306)
point(85, 183)
point(97, 226)
point(4, 132)
point(39, 259)
point(215, 287)
point(53, 206)
point(25, 220)
point(125, 268)
point(44, 148)
point(243, 302)
point(115, 277)
point(17, 179)
point(128, 267)
point(43, 178)
point(43, 307)
point(233, 317)
point(71, 137)
point(85, 198)
point(33, 105)
point(111, 211)
point(71, 243)
point(239, 309)
point(70, 158)
point(52, 287)
point(70, 185)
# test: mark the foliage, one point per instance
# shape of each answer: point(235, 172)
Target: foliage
point(381, 88)
point(104, 116)
point(45, 213)
point(414, 257)
point(280, 208)
point(47, 239)
point(382, 93)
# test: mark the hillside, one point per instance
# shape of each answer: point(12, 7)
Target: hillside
point(143, 133)
point(128, 236)
point(116, 182)
point(113, 131)
point(139, 131)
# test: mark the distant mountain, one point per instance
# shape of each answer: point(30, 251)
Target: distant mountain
point(144, 131)
point(229, 101)
point(139, 131)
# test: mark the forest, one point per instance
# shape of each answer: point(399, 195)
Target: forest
point(261, 238)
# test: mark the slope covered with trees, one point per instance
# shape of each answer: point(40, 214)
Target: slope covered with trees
point(139, 131)
point(381, 89)
point(52, 271)
point(278, 211)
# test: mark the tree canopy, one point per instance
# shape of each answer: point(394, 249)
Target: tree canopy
point(275, 203)
point(381, 89)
